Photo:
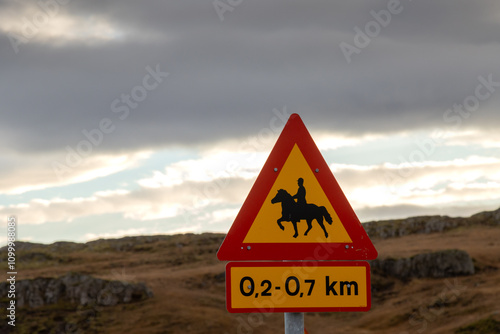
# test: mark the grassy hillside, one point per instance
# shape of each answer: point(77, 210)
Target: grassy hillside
point(187, 281)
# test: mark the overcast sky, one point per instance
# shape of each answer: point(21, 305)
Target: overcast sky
point(120, 117)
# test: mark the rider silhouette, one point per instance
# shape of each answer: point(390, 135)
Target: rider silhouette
point(295, 208)
point(300, 196)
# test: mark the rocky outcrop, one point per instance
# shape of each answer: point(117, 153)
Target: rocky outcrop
point(125, 244)
point(77, 289)
point(428, 224)
point(439, 264)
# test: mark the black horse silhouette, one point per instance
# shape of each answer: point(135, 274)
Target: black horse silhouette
point(293, 212)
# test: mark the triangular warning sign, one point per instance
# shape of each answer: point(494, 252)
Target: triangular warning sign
point(296, 209)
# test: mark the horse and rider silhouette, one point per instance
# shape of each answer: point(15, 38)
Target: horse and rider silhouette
point(295, 211)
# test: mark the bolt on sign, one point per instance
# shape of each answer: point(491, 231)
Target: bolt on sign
point(297, 211)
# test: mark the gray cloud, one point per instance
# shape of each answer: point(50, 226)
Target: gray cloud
point(225, 77)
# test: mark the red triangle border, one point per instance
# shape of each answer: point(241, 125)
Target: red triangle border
point(233, 248)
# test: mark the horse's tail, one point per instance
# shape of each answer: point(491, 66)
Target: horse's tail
point(327, 216)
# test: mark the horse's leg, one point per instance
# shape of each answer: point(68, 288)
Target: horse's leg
point(279, 223)
point(320, 222)
point(309, 226)
point(295, 228)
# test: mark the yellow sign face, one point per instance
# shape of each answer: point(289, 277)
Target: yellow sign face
point(298, 286)
point(297, 205)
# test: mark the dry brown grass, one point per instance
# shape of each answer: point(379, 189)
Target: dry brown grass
point(189, 295)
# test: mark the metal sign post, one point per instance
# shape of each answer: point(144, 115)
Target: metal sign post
point(294, 323)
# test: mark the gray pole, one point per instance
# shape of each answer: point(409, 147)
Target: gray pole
point(294, 323)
